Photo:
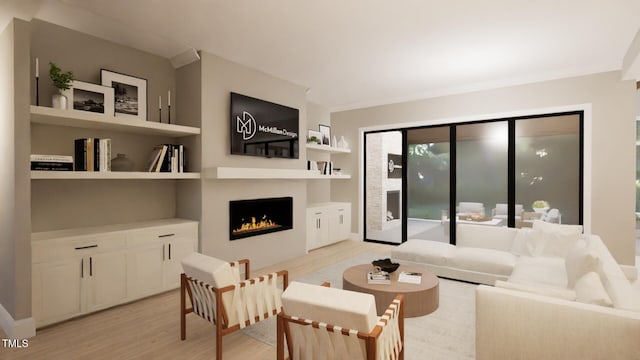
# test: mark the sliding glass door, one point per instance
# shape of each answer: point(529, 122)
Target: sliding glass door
point(420, 183)
point(383, 183)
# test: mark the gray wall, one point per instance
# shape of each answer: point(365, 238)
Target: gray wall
point(219, 78)
point(15, 245)
point(613, 140)
point(67, 204)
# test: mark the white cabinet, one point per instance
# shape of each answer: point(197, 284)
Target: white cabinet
point(79, 271)
point(328, 223)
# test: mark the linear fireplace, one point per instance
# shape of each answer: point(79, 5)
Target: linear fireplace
point(259, 216)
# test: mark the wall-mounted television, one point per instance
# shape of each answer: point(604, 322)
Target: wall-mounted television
point(263, 128)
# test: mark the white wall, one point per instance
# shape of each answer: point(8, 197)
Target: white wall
point(613, 140)
point(219, 78)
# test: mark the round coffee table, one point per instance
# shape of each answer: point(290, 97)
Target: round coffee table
point(419, 299)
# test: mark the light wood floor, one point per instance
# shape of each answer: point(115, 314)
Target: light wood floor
point(150, 328)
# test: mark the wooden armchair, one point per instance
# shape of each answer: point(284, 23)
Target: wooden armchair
point(218, 295)
point(308, 325)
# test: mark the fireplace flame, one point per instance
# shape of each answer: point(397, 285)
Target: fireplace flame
point(262, 224)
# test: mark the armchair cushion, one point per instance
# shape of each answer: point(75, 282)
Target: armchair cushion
point(471, 207)
point(349, 309)
point(215, 272)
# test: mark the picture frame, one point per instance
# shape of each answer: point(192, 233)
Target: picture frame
point(325, 130)
point(84, 96)
point(317, 135)
point(130, 94)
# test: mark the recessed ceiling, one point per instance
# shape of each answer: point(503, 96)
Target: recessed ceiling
point(359, 53)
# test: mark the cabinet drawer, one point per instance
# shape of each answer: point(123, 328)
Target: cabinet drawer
point(67, 248)
point(145, 237)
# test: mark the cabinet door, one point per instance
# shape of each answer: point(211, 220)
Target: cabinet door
point(107, 280)
point(175, 250)
point(343, 223)
point(145, 267)
point(317, 228)
point(57, 290)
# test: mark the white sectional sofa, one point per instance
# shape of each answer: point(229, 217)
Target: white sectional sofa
point(557, 294)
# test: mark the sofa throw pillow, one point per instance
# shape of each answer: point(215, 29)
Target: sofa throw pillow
point(579, 261)
point(558, 239)
point(589, 290)
point(528, 242)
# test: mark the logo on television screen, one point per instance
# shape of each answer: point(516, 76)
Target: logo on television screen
point(246, 125)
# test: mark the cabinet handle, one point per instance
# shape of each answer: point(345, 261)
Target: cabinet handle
point(90, 266)
point(166, 235)
point(82, 268)
point(163, 257)
point(86, 247)
point(169, 251)
point(340, 219)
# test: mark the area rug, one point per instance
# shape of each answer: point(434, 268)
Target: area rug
point(448, 333)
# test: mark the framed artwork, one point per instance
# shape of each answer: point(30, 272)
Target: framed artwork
point(317, 135)
point(90, 97)
point(130, 94)
point(325, 130)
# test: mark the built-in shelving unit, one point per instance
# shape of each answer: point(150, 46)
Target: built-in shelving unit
point(88, 120)
point(101, 175)
point(266, 173)
point(327, 148)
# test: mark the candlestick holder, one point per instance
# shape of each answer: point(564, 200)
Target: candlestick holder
point(159, 115)
point(37, 91)
point(169, 113)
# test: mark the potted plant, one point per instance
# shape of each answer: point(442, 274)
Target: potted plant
point(540, 206)
point(62, 81)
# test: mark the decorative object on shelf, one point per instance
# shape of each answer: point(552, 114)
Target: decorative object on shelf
point(62, 81)
point(121, 163)
point(386, 265)
point(37, 82)
point(90, 97)
point(314, 137)
point(159, 108)
point(540, 206)
point(130, 94)
point(325, 130)
point(394, 162)
point(334, 141)
point(169, 107)
point(343, 144)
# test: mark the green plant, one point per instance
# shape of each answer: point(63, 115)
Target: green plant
point(540, 204)
point(61, 80)
point(313, 139)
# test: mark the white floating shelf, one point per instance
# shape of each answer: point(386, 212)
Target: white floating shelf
point(327, 148)
point(88, 120)
point(109, 175)
point(266, 173)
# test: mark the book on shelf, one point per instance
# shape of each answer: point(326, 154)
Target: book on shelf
point(170, 158)
point(155, 155)
point(52, 158)
point(378, 277)
point(410, 277)
point(51, 166)
point(92, 154)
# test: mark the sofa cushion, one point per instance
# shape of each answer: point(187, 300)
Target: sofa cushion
point(589, 289)
point(423, 251)
point(580, 260)
point(540, 270)
point(558, 239)
point(349, 309)
point(540, 289)
point(483, 236)
point(483, 260)
point(528, 242)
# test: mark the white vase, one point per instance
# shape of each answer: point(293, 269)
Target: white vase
point(343, 144)
point(334, 141)
point(59, 101)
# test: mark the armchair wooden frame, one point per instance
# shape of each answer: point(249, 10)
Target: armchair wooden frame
point(213, 309)
point(394, 310)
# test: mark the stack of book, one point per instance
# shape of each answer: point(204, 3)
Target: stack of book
point(410, 277)
point(51, 162)
point(167, 158)
point(381, 277)
point(92, 154)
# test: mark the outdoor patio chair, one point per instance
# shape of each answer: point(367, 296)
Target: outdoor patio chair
point(220, 296)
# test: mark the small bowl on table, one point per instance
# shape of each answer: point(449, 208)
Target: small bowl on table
point(386, 265)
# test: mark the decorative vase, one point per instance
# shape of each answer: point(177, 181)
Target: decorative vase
point(121, 163)
point(59, 101)
point(334, 141)
point(343, 144)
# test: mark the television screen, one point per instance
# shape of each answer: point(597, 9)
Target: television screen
point(262, 128)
